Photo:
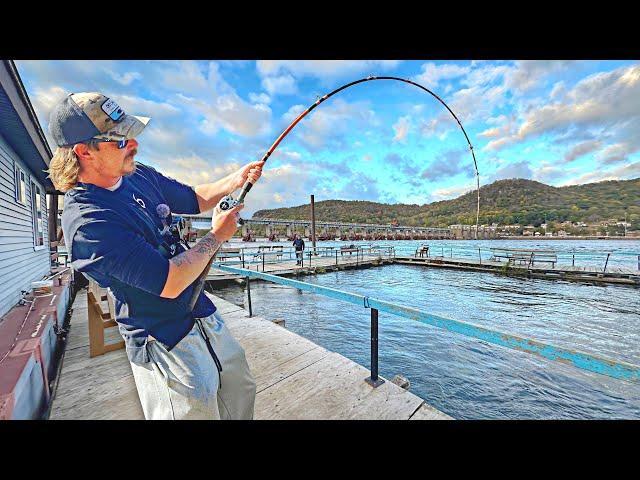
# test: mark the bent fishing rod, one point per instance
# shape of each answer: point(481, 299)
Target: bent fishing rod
point(229, 202)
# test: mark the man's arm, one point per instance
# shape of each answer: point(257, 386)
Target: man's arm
point(186, 267)
point(210, 194)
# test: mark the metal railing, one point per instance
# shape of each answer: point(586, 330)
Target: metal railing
point(581, 360)
point(261, 256)
point(592, 259)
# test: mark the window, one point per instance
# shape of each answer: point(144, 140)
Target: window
point(36, 208)
point(21, 185)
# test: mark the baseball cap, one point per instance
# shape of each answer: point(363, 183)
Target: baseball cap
point(84, 116)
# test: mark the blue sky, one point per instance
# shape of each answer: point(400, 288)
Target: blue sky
point(558, 122)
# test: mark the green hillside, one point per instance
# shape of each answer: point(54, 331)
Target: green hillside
point(504, 201)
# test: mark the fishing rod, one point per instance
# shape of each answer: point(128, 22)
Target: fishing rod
point(228, 202)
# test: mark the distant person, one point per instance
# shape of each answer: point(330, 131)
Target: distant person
point(298, 243)
point(117, 213)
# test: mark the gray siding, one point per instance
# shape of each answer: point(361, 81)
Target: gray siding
point(20, 262)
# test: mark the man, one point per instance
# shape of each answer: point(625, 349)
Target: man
point(116, 216)
point(298, 243)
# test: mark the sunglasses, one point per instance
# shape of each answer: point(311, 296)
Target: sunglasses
point(121, 143)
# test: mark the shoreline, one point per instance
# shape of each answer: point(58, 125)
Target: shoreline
point(264, 239)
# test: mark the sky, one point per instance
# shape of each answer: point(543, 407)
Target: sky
point(557, 122)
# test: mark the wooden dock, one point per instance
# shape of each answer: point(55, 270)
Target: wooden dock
point(612, 275)
point(318, 264)
point(296, 379)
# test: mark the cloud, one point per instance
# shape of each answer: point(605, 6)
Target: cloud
point(617, 152)
point(259, 98)
point(328, 127)
point(624, 172)
point(431, 74)
point(512, 170)
point(281, 85)
point(126, 78)
point(582, 149)
point(529, 74)
point(449, 164)
point(401, 129)
point(452, 192)
point(322, 69)
point(602, 101)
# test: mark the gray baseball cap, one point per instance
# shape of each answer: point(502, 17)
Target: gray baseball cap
point(81, 117)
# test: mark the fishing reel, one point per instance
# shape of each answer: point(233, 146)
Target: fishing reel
point(227, 203)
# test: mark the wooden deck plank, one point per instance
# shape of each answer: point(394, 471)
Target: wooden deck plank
point(295, 378)
point(334, 388)
point(427, 412)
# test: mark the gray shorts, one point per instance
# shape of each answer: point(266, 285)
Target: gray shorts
point(185, 383)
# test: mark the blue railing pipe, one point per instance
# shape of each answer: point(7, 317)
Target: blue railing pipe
point(584, 361)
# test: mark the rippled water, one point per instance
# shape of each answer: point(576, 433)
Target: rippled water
point(465, 377)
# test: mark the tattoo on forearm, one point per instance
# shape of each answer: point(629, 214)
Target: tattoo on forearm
point(208, 245)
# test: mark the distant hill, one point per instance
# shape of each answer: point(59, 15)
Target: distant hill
point(504, 201)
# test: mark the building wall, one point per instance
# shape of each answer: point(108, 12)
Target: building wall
point(21, 262)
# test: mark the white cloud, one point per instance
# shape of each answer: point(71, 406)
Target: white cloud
point(43, 101)
point(431, 74)
point(603, 101)
point(125, 78)
point(327, 127)
point(281, 85)
point(452, 192)
point(530, 74)
point(621, 173)
point(618, 152)
point(259, 98)
point(323, 69)
point(401, 129)
point(582, 149)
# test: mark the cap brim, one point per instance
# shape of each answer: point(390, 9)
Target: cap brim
point(129, 127)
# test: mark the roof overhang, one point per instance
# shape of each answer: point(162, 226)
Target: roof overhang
point(20, 127)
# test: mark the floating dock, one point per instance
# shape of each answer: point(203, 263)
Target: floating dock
point(319, 264)
point(296, 379)
point(612, 275)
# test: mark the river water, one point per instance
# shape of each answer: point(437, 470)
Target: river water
point(468, 378)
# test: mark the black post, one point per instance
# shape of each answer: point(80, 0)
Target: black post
point(337, 260)
point(480, 255)
point(605, 263)
point(373, 380)
point(573, 260)
point(313, 225)
point(242, 253)
point(263, 262)
point(249, 295)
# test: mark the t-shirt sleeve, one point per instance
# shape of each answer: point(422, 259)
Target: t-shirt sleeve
point(180, 197)
point(102, 246)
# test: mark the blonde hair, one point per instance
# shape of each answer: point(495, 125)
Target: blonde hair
point(64, 168)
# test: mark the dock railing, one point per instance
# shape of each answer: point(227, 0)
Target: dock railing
point(597, 260)
point(581, 360)
point(264, 255)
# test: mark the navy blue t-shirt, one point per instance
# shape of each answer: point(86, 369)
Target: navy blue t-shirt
point(118, 239)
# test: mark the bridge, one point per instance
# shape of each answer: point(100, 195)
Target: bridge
point(280, 226)
point(330, 230)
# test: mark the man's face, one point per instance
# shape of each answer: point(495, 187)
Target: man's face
point(111, 161)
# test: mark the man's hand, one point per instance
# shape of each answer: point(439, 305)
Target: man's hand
point(251, 172)
point(224, 222)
